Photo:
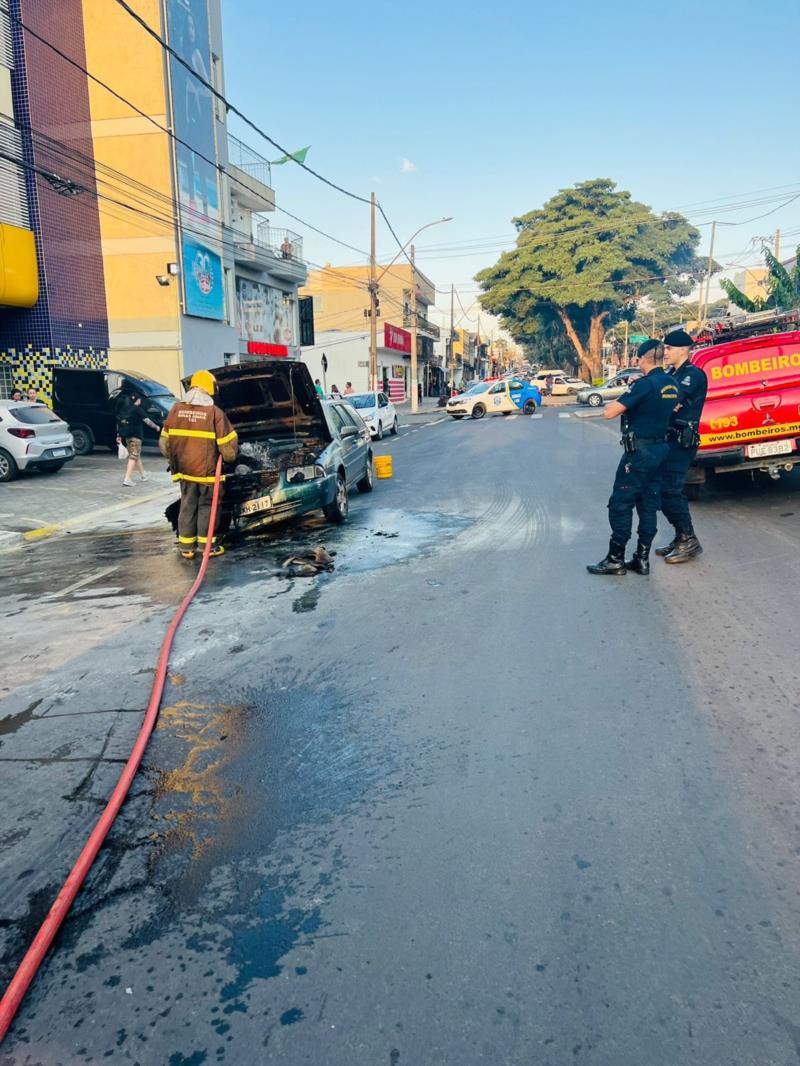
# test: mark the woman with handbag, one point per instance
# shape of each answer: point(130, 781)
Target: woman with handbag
point(130, 427)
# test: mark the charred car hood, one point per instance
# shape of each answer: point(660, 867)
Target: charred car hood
point(272, 399)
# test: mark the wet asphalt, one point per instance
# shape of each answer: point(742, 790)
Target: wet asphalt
point(457, 802)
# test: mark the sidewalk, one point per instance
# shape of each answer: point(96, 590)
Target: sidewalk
point(428, 409)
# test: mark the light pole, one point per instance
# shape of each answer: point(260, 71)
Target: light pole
point(374, 287)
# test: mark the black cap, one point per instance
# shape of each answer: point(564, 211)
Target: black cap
point(648, 346)
point(679, 338)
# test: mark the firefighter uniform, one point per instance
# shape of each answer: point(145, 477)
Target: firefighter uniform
point(648, 405)
point(683, 439)
point(195, 433)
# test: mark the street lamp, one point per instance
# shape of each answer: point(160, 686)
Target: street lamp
point(373, 292)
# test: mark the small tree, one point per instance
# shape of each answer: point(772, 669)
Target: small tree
point(783, 287)
point(586, 257)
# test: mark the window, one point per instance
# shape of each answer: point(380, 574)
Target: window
point(382, 400)
point(350, 419)
point(499, 387)
point(517, 385)
point(336, 417)
point(34, 416)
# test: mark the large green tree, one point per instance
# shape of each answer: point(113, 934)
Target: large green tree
point(586, 258)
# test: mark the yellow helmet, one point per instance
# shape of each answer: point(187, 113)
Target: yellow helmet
point(205, 380)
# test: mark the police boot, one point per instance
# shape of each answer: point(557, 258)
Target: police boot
point(686, 547)
point(665, 549)
point(639, 562)
point(614, 562)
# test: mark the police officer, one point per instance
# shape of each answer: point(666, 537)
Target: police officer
point(683, 439)
point(646, 409)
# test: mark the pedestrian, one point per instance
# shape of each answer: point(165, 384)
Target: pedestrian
point(130, 430)
point(195, 433)
point(16, 395)
point(335, 394)
point(646, 409)
point(683, 439)
point(548, 385)
point(318, 388)
point(32, 395)
point(419, 392)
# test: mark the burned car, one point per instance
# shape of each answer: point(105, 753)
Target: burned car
point(297, 453)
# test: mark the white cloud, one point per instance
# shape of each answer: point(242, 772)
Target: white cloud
point(406, 166)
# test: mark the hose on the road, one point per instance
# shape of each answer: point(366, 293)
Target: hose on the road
point(30, 964)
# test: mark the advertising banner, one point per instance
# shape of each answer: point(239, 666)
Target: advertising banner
point(264, 313)
point(204, 294)
point(397, 339)
point(193, 119)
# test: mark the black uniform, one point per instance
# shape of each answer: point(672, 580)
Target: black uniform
point(649, 404)
point(692, 387)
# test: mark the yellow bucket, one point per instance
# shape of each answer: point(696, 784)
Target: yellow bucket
point(383, 466)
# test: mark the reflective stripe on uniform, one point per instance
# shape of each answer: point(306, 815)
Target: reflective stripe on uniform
point(224, 440)
point(187, 540)
point(197, 480)
point(204, 540)
point(206, 434)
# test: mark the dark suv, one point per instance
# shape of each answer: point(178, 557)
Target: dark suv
point(89, 402)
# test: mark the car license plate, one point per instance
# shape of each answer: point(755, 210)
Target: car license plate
point(263, 503)
point(59, 451)
point(773, 447)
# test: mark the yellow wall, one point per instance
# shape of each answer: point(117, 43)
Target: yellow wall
point(341, 297)
point(144, 317)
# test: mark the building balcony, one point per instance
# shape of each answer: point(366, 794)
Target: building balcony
point(275, 251)
point(427, 327)
point(252, 177)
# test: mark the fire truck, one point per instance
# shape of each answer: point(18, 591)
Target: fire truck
point(751, 417)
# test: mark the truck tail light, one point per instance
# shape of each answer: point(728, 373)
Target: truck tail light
point(23, 434)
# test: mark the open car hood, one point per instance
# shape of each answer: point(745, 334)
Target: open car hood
point(274, 398)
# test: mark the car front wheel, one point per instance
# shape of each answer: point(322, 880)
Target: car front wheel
point(337, 510)
point(379, 432)
point(595, 400)
point(393, 430)
point(478, 411)
point(8, 468)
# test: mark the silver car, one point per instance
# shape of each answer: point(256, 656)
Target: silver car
point(32, 437)
point(597, 395)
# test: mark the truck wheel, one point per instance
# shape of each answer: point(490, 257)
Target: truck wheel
point(82, 440)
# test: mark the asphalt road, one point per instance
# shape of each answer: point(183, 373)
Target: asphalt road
point(457, 802)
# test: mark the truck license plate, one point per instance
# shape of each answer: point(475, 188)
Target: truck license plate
point(263, 503)
point(773, 447)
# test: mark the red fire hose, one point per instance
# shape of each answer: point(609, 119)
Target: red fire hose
point(36, 952)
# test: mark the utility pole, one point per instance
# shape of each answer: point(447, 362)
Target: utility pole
point(625, 349)
point(452, 353)
point(373, 302)
point(414, 400)
point(778, 245)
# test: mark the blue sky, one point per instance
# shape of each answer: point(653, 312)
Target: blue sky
point(684, 104)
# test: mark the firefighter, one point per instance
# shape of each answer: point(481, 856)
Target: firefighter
point(646, 409)
point(195, 433)
point(683, 439)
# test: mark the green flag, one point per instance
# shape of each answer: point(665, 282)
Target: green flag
point(296, 157)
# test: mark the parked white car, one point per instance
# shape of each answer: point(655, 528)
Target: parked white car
point(377, 410)
point(32, 437)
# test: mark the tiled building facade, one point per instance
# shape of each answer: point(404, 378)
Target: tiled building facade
point(67, 325)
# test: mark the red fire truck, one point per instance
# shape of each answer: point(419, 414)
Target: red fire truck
point(751, 417)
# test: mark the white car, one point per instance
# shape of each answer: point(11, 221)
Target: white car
point(567, 386)
point(377, 410)
point(32, 437)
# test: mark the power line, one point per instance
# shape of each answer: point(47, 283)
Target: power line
point(228, 105)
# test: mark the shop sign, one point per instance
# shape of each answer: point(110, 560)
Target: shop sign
point(399, 340)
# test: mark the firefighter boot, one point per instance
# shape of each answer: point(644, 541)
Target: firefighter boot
point(686, 547)
point(639, 562)
point(665, 549)
point(614, 562)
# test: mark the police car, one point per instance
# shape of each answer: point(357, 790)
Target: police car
point(506, 397)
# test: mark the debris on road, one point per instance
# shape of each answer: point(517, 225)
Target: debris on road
point(309, 563)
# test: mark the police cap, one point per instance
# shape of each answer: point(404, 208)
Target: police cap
point(679, 338)
point(647, 347)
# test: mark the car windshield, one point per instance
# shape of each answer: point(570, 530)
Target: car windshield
point(361, 400)
point(481, 386)
point(34, 416)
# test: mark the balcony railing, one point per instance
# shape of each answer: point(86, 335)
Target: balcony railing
point(248, 161)
point(283, 242)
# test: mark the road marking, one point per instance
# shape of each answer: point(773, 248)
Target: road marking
point(83, 581)
point(564, 414)
point(87, 516)
point(537, 416)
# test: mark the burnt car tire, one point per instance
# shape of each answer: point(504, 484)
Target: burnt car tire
point(82, 440)
point(339, 508)
point(8, 468)
point(366, 484)
point(478, 411)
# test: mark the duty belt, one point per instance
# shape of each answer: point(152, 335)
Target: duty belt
point(650, 440)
